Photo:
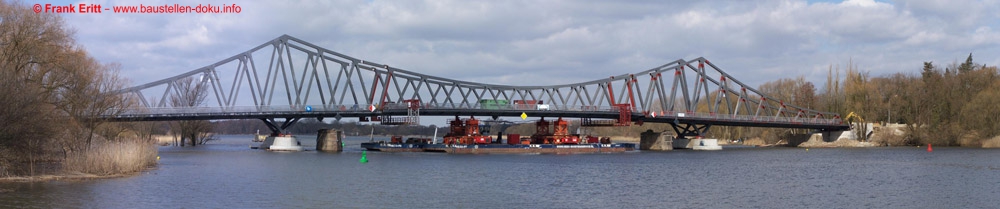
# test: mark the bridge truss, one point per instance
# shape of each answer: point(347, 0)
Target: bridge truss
point(291, 78)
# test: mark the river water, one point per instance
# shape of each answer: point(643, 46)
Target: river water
point(227, 174)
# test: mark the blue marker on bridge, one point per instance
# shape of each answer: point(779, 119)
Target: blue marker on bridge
point(309, 108)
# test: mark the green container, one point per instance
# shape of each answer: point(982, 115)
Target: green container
point(493, 104)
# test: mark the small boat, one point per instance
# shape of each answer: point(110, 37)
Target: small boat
point(258, 137)
point(705, 144)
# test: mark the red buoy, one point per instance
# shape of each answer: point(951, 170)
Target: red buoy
point(929, 149)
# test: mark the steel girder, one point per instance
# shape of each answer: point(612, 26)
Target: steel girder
point(289, 74)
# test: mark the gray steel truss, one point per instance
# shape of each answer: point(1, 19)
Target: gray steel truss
point(291, 78)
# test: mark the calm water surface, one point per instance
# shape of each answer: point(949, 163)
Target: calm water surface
point(227, 174)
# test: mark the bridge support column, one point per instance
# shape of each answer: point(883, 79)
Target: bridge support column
point(275, 128)
point(650, 140)
point(831, 136)
point(329, 140)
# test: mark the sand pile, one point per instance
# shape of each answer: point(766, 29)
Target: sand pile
point(817, 141)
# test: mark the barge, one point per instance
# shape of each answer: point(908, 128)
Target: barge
point(529, 148)
point(396, 144)
point(465, 138)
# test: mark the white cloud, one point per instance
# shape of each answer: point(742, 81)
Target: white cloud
point(553, 42)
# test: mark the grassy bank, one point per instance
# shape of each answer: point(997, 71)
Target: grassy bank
point(112, 158)
point(992, 142)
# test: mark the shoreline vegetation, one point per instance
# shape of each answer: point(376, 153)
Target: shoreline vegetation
point(109, 159)
point(851, 143)
point(51, 94)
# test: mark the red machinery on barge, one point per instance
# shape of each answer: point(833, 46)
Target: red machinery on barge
point(465, 132)
point(465, 137)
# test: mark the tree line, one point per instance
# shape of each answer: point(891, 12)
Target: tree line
point(950, 106)
point(953, 106)
point(51, 89)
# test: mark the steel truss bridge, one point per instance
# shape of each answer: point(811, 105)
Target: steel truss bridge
point(288, 78)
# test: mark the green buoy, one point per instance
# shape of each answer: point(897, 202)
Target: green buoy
point(364, 157)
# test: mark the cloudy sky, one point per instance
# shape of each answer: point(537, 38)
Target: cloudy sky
point(538, 42)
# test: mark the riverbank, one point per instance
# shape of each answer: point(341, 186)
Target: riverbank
point(103, 160)
point(69, 176)
point(890, 140)
point(992, 143)
point(814, 142)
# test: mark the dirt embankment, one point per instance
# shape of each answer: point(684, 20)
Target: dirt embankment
point(839, 143)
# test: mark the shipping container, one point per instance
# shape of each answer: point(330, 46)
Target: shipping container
point(493, 104)
point(527, 104)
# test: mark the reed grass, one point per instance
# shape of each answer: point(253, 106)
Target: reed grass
point(992, 142)
point(110, 158)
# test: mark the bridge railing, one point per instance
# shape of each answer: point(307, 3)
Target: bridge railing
point(245, 109)
point(355, 108)
point(750, 118)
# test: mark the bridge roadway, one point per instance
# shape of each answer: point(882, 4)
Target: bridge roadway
point(217, 113)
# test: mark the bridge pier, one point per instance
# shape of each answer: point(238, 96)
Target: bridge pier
point(660, 141)
point(831, 136)
point(329, 140)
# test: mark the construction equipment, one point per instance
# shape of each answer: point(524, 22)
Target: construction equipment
point(853, 115)
point(860, 127)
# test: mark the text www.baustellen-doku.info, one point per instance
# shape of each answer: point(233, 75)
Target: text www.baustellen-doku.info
point(86, 8)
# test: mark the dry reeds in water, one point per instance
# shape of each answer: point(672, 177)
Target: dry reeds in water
point(111, 158)
point(992, 142)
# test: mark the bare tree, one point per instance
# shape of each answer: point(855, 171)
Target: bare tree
point(189, 92)
point(51, 91)
point(32, 46)
point(92, 94)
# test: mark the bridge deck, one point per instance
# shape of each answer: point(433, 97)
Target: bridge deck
point(723, 120)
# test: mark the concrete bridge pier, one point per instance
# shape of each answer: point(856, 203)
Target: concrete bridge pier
point(659, 141)
point(329, 140)
point(831, 136)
